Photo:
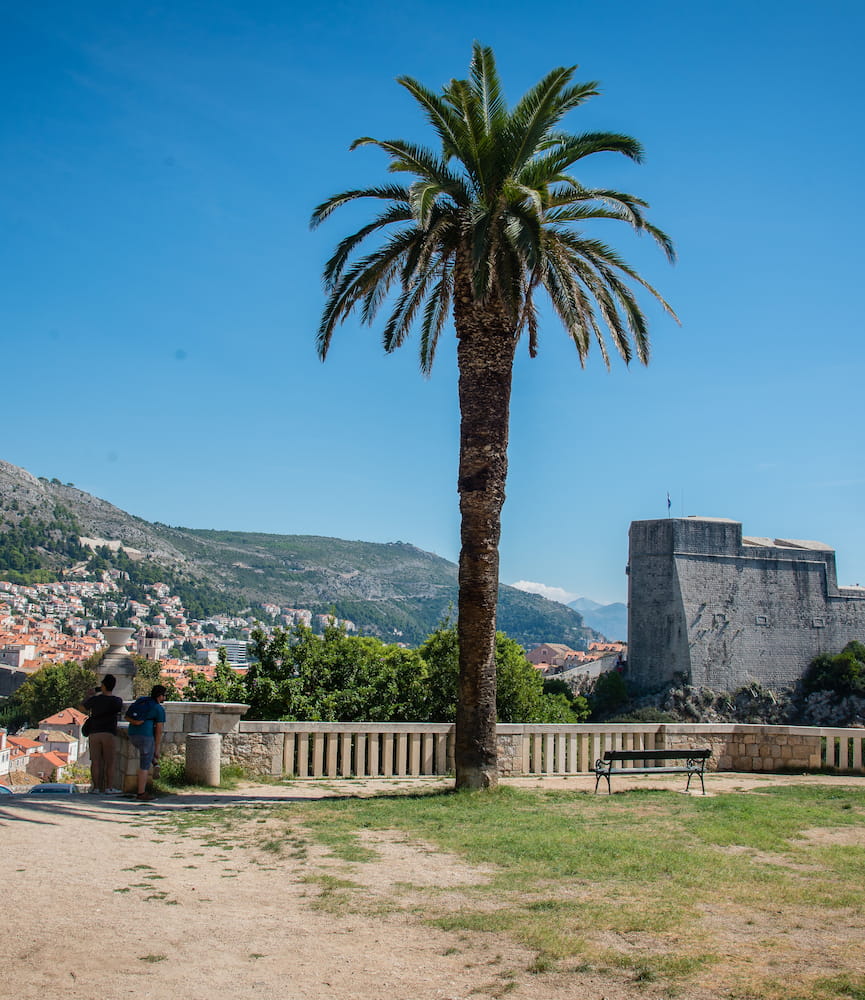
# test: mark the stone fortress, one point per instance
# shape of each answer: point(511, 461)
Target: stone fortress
point(719, 610)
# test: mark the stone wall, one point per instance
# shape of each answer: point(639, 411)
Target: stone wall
point(333, 750)
point(717, 610)
point(183, 717)
point(272, 748)
point(751, 748)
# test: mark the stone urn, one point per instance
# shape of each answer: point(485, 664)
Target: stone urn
point(117, 661)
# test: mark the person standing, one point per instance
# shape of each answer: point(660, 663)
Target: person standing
point(146, 718)
point(104, 709)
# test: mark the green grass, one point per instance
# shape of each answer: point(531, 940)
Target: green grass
point(623, 883)
point(172, 778)
point(645, 865)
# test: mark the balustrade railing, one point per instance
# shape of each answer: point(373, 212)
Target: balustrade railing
point(342, 750)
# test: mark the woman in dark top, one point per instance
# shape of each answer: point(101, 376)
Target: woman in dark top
point(104, 710)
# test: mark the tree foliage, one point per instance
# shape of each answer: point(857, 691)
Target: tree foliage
point(340, 678)
point(27, 548)
point(498, 198)
point(148, 673)
point(843, 674)
point(520, 693)
point(608, 694)
point(53, 687)
point(333, 678)
point(225, 686)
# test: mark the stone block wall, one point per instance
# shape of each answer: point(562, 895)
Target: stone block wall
point(750, 748)
point(723, 611)
point(181, 718)
point(255, 752)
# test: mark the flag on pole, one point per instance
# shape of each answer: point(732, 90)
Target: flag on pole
point(669, 504)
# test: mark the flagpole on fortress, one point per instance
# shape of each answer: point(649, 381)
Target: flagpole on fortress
point(669, 504)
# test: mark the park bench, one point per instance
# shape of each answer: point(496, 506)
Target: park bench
point(691, 761)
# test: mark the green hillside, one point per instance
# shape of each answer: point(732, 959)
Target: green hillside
point(392, 590)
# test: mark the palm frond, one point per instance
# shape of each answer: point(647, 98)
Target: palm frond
point(598, 251)
point(409, 301)
point(496, 205)
point(540, 110)
point(406, 156)
point(334, 267)
point(530, 320)
point(487, 85)
point(568, 299)
point(388, 192)
point(569, 149)
point(442, 118)
point(464, 100)
point(365, 283)
point(523, 229)
point(435, 316)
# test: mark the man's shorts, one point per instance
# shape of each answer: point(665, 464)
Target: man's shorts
point(146, 747)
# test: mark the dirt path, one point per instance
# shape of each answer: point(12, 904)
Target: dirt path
point(102, 903)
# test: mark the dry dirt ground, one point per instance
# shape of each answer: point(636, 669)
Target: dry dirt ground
point(101, 903)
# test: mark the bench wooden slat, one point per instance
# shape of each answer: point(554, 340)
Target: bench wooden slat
point(657, 754)
point(693, 762)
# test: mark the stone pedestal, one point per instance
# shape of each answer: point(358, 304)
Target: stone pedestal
point(117, 661)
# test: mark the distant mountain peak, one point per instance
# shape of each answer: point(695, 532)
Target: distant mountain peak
point(611, 620)
point(585, 604)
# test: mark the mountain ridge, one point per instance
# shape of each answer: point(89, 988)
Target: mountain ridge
point(391, 589)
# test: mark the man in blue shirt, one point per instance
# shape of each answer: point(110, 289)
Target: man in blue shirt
point(146, 718)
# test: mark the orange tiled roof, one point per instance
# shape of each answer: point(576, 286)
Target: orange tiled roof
point(66, 717)
point(22, 743)
point(53, 758)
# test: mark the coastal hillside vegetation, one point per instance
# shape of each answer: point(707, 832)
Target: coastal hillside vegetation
point(394, 591)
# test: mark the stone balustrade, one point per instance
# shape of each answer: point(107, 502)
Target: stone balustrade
point(331, 749)
point(334, 749)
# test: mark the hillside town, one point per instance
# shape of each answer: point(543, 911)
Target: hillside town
point(58, 622)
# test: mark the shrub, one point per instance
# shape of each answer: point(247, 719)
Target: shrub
point(844, 674)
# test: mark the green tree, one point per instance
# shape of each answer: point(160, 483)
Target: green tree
point(334, 678)
point(487, 222)
point(520, 694)
point(149, 672)
point(608, 694)
point(226, 685)
point(53, 687)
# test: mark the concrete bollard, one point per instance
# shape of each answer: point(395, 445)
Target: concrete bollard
point(203, 756)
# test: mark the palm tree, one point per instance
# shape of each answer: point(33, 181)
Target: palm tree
point(483, 224)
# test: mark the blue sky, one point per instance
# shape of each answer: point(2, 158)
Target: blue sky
point(161, 289)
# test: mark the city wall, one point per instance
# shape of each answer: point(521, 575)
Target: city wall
point(719, 610)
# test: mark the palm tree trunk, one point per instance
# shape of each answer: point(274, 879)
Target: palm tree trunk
point(485, 354)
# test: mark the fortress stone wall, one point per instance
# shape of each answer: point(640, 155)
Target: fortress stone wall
point(722, 610)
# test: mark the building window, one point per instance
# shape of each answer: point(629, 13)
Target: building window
point(761, 620)
point(818, 623)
